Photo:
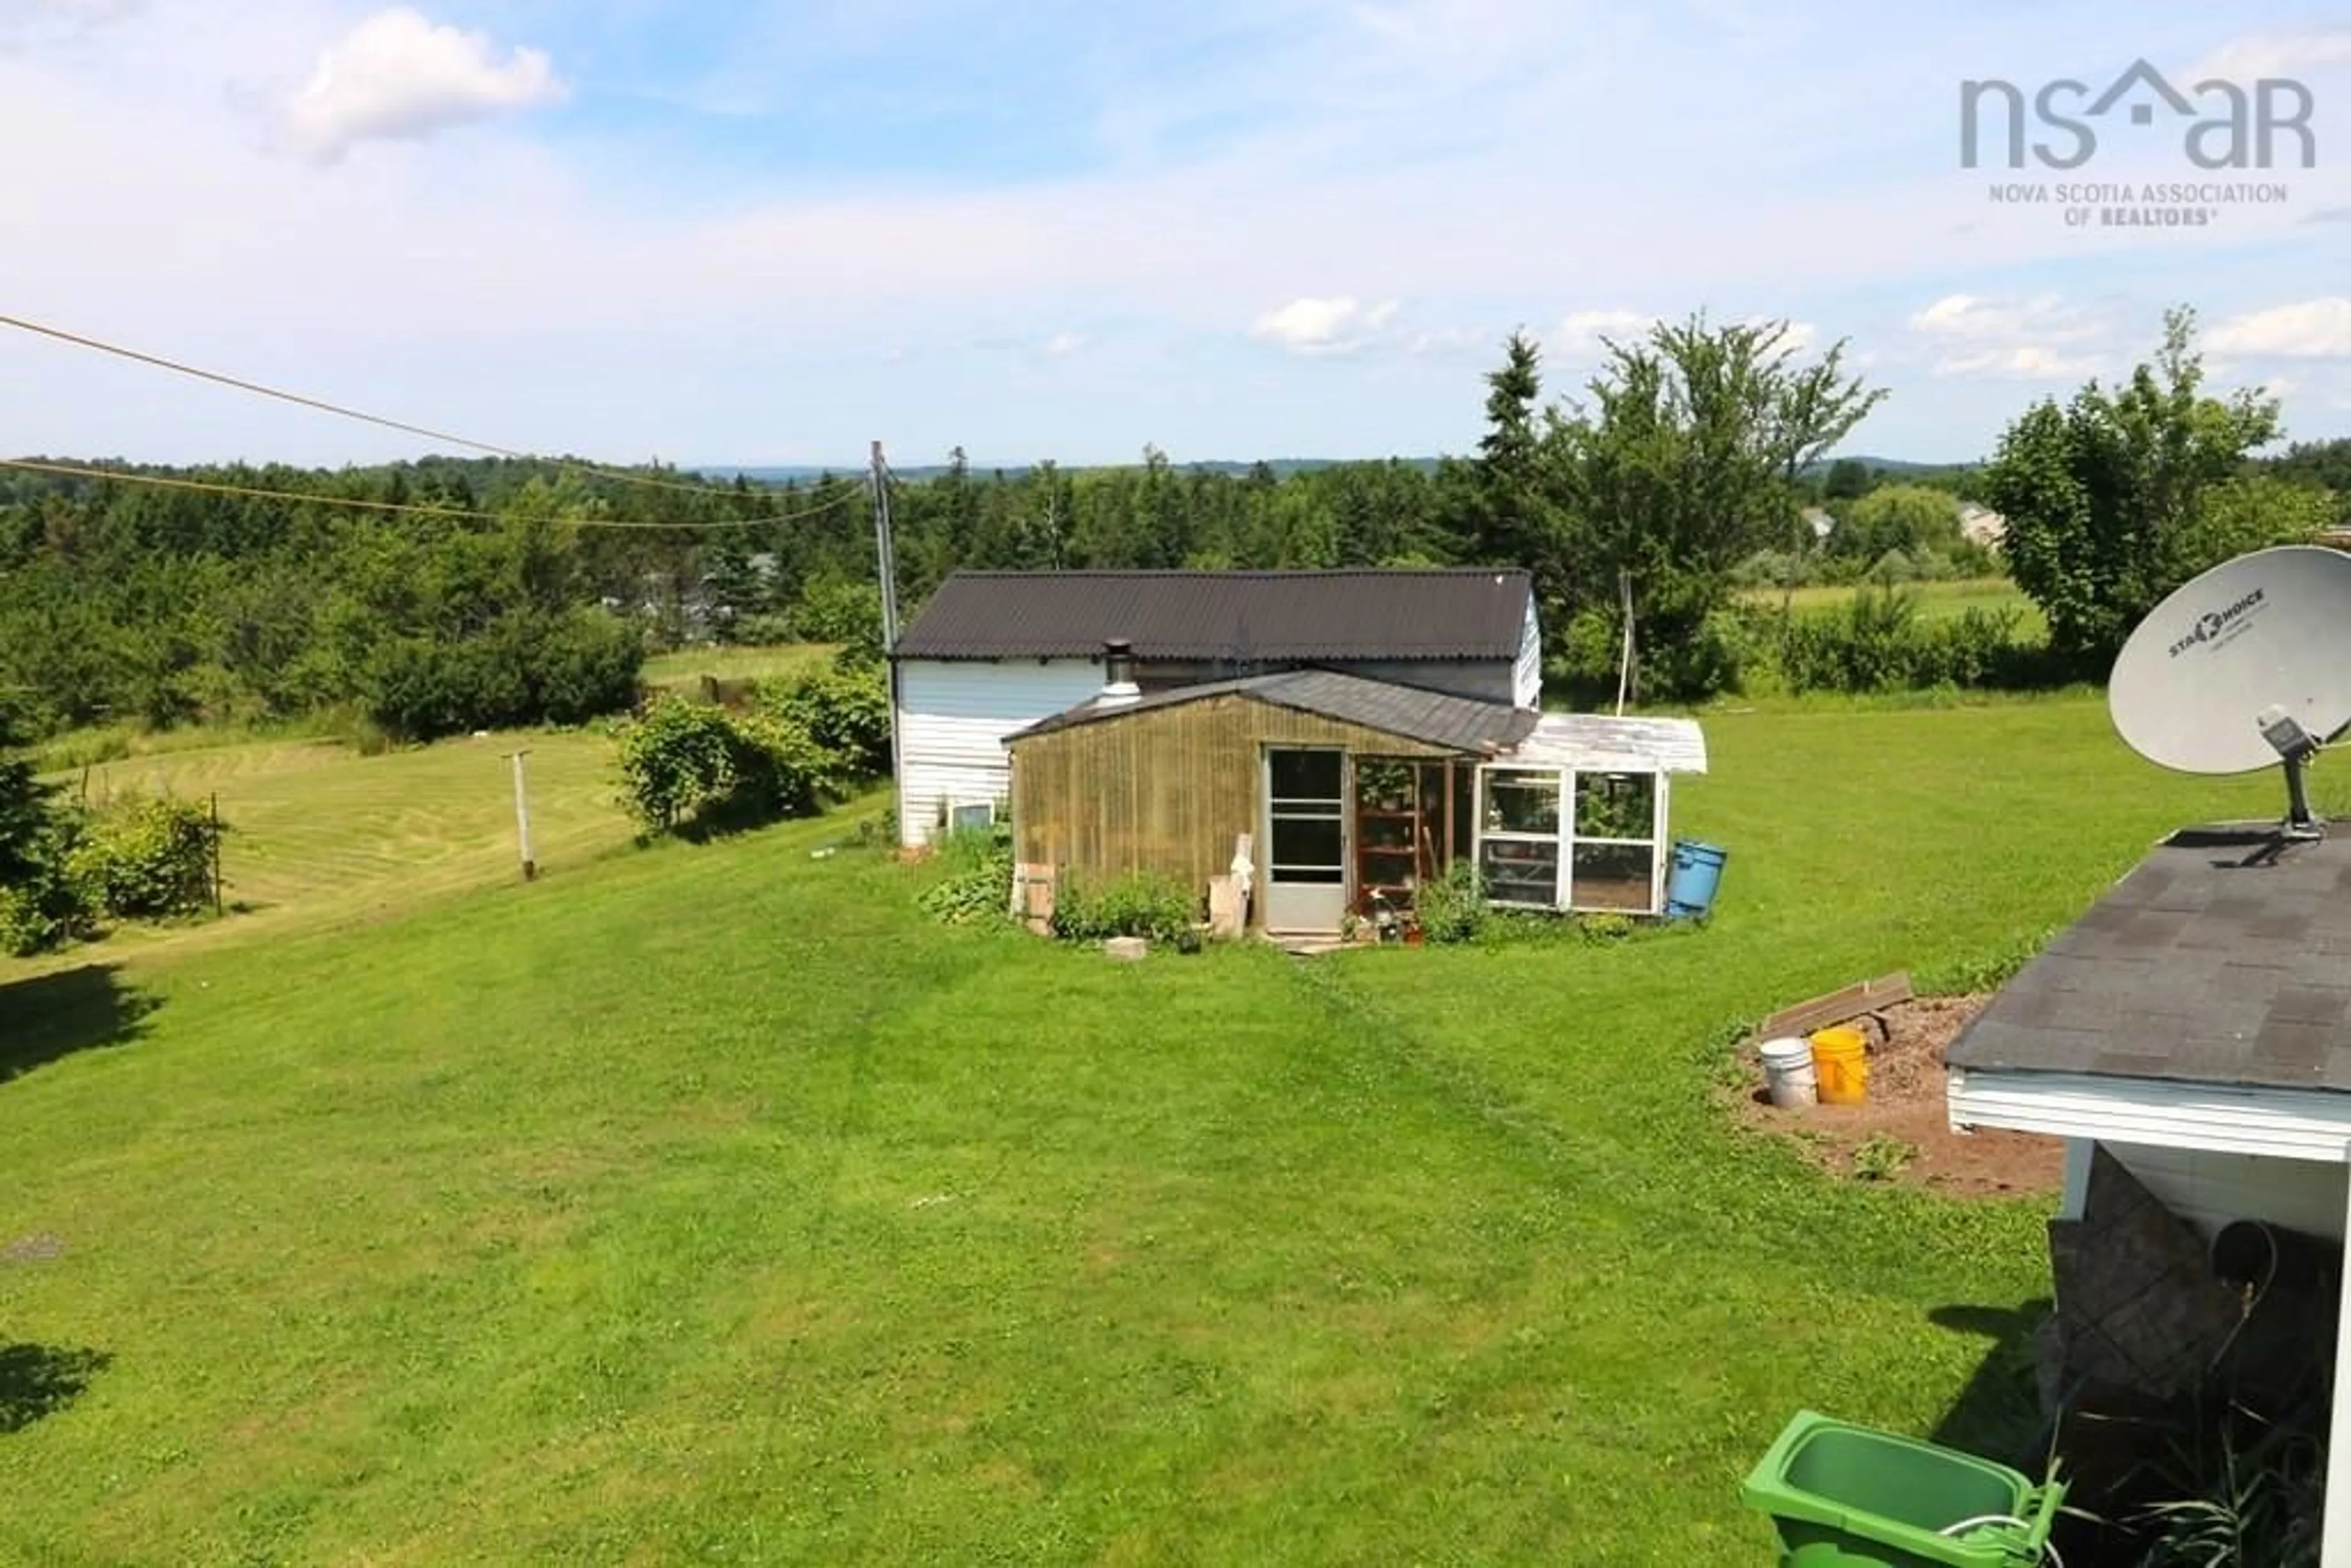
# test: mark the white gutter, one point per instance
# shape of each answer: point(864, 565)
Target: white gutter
point(2226, 1119)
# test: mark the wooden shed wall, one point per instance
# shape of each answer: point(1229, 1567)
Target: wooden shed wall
point(1166, 789)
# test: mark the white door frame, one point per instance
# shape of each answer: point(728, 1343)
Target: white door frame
point(1303, 908)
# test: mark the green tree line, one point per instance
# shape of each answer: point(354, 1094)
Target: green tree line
point(1689, 453)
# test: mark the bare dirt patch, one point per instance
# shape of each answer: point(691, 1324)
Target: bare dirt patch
point(1904, 1124)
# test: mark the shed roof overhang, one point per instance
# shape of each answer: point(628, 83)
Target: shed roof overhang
point(2203, 1002)
point(2209, 1118)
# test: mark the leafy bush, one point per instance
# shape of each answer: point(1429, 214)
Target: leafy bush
point(1452, 907)
point(834, 610)
point(676, 760)
point(145, 857)
point(978, 883)
point(1157, 908)
point(522, 667)
point(779, 770)
point(845, 709)
point(1876, 643)
point(42, 906)
point(686, 762)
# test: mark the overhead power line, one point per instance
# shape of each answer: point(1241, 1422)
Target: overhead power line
point(596, 470)
point(166, 481)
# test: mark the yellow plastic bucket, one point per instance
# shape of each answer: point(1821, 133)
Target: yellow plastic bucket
point(1841, 1064)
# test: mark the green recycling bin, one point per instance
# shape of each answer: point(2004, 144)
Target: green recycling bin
point(1847, 1497)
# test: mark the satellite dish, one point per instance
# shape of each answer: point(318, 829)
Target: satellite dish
point(2247, 666)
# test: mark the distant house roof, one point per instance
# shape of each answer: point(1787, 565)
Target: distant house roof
point(1467, 613)
point(1597, 743)
point(1433, 718)
point(2220, 961)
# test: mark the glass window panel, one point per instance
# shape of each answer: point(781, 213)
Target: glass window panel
point(1524, 873)
point(1612, 877)
point(1521, 802)
point(1306, 775)
point(974, 816)
point(1615, 805)
point(1305, 841)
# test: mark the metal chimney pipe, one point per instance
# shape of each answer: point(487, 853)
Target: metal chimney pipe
point(1118, 671)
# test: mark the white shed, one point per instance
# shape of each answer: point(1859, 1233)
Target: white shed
point(994, 652)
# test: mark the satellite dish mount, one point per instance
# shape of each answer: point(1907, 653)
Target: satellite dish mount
point(2295, 746)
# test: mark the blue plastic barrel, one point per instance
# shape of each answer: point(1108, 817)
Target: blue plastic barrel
point(1698, 868)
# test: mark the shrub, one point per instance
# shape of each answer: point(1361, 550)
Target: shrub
point(1452, 907)
point(686, 762)
point(978, 883)
point(145, 857)
point(676, 760)
point(779, 770)
point(43, 907)
point(523, 667)
point(834, 610)
point(845, 709)
point(1157, 908)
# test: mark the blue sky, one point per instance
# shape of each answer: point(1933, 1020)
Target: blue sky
point(763, 233)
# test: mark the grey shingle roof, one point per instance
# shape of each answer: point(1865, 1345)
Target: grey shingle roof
point(1476, 613)
point(2219, 959)
point(1433, 718)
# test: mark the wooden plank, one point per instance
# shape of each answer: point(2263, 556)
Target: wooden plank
point(1837, 1007)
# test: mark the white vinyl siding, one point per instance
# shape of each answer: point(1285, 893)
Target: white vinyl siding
point(953, 716)
point(2208, 1190)
point(1526, 675)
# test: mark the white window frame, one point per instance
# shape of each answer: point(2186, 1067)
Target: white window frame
point(1557, 838)
point(1565, 839)
point(1653, 843)
point(956, 808)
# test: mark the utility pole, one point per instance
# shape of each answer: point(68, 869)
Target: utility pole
point(522, 816)
point(886, 563)
point(1624, 664)
point(885, 554)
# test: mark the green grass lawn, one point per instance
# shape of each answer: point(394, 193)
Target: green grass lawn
point(320, 835)
point(709, 1205)
point(688, 665)
point(1936, 600)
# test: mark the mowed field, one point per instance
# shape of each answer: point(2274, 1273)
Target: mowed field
point(709, 1204)
point(321, 836)
point(1936, 600)
point(778, 662)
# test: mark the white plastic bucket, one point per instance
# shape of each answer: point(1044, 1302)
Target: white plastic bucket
point(1788, 1071)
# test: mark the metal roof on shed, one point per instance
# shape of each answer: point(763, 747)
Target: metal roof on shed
point(1600, 743)
point(1433, 718)
point(2223, 959)
point(1467, 612)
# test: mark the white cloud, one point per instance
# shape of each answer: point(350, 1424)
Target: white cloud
point(2039, 338)
point(1578, 338)
point(1335, 325)
point(2311, 329)
point(31, 23)
point(2259, 55)
point(398, 74)
point(1061, 345)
